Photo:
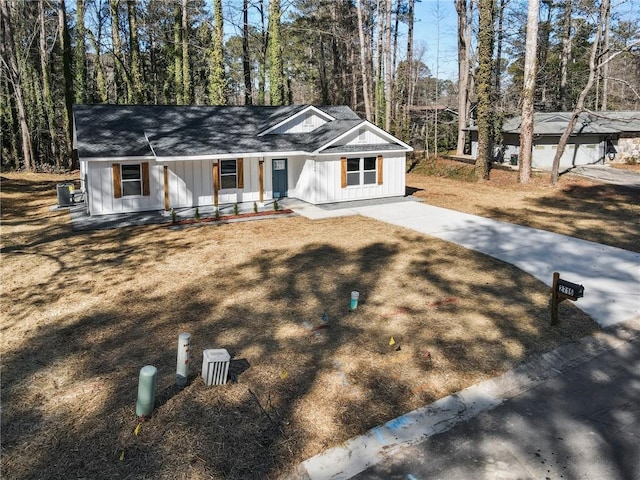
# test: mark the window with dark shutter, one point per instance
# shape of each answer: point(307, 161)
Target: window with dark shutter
point(131, 180)
point(228, 174)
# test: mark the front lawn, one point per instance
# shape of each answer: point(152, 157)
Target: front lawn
point(83, 312)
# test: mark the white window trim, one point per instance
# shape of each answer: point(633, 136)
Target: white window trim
point(235, 174)
point(130, 180)
point(361, 171)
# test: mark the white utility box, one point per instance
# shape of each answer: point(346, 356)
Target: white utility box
point(215, 366)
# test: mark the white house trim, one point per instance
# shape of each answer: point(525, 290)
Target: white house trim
point(310, 108)
point(362, 152)
point(145, 158)
point(373, 127)
point(184, 172)
point(221, 156)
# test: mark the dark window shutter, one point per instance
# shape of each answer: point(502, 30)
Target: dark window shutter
point(379, 169)
point(117, 183)
point(240, 173)
point(216, 182)
point(146, 191)
point(343, 172)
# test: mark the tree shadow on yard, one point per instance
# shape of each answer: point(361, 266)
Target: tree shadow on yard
point(69, 390)
point(116, 301)
point(606, 214)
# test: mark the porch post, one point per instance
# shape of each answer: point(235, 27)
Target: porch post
point(166, 188)
point(216, 182)
point(261, 179)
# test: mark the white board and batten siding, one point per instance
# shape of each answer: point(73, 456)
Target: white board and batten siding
point(363, 136)
point(101, 198)
point(190, 183)
point(320, 180)
point(303, 123)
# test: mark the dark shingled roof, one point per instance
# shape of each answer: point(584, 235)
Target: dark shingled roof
point(589, 123)
point(134, 130)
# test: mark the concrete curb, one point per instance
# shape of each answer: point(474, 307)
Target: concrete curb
point(359, 453)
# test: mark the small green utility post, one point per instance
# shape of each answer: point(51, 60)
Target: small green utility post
point(146, 391)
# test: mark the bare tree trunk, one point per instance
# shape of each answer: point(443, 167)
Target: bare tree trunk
point(246, 66)
point(604, 6)
point(16, 79)
point(322, 73)
point(120, 76)
point(354, 77)
point(378, 98)
point(528, 93)
point(363, 62)
point(606, 66)
point(276, 66)
point(544, 45)
point(335, 81)
point(217, 77)
point(186, 70)
point(565, 54)
point(463, 72)
point(46, 86)
point(498, 75)
point(262, 69)
point(485, 68)
point(81, 54)
point(408, 82)
point(134, 46)
point(177, 55)
point(388, 68)
point(65, 43)
point(101, 83)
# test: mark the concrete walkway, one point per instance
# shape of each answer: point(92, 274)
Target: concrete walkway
point(611, 278)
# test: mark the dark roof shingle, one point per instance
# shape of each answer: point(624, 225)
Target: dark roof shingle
point(136, 130)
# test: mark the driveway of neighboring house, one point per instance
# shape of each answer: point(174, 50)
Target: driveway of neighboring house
point(606, 174)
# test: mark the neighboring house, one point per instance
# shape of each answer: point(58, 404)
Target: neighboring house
point(595, 137)
point(137, 158)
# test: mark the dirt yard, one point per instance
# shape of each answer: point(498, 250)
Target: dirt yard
point(83, 312)
point(578, 207)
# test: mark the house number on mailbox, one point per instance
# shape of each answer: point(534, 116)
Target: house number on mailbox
point(563, 290)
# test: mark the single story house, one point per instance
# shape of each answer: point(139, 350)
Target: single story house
point(597, 138)
point(140, 158)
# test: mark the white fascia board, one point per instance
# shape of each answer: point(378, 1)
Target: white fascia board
point(364, 152)
point(373, 127)
point(310, 108)
point(117, 159)
point(223, 156)
point(74, 144)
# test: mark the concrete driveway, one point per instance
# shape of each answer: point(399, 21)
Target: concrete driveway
point(607, 174)
point(554, 417)
point(611, 276)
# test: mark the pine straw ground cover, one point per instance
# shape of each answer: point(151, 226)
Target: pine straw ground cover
point(83, 312)
point(578, 207)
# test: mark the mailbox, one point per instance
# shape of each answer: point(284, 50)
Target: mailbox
point(572, 291)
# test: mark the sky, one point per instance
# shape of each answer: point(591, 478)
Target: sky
point(436, 38)
point(435, 31)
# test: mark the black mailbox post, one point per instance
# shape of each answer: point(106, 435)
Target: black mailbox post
point(560, 291)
